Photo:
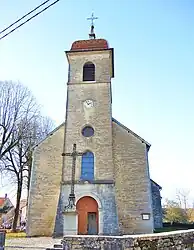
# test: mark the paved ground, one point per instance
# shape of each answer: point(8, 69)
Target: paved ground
point(30, 243)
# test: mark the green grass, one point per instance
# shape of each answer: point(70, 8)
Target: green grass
point(15, 235)
point(167, 229)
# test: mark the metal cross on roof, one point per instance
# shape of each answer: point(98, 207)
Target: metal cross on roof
point(92, 18)
point(92, 34)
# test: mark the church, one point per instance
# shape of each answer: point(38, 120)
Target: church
point(91, 174)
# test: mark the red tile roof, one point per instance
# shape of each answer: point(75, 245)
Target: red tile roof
point(92, 44)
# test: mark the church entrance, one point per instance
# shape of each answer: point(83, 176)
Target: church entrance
point(87, 209)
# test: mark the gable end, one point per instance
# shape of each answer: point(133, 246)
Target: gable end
point(50, 134)
point(131, 132)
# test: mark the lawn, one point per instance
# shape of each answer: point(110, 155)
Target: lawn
point(15, 235)
point(167, 229)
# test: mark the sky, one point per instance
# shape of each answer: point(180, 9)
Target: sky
point(153, 88)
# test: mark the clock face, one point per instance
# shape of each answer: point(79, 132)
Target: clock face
point(88, 103)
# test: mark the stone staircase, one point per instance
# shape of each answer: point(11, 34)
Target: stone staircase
point(56, 247)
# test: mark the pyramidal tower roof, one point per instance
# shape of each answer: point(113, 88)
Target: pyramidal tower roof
point(91, 44)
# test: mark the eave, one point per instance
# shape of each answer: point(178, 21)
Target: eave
point(131, 132)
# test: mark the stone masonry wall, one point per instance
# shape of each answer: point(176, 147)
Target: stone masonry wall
point(45, 185)
point(157, 207)
point(132, 182)
point(179, 240)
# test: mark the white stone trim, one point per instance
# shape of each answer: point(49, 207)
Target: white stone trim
point(134, 236)
point(91, 194)
point(100, 210)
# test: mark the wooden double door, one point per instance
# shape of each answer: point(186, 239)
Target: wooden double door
point(87, 209)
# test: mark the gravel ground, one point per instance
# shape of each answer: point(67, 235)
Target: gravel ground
point(30, 243)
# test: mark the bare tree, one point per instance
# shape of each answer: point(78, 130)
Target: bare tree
point(22, 127)
point(18, 160)
point(16, 103)
point(14, 166)
point(183, 198)
point(173, 212)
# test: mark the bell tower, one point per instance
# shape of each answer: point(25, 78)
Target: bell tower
point(89, 108)
point(88, 126)
point(88, 120)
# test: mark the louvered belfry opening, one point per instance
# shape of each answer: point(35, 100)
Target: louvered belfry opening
point(89, 72)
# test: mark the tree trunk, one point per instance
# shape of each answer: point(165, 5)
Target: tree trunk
point(17, 209)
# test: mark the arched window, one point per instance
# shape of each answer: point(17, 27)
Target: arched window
point(89, 72)
point(87, 166)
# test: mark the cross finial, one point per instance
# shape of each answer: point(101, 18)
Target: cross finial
point(92, 34)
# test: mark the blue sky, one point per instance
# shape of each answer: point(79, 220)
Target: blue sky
point(154, 70)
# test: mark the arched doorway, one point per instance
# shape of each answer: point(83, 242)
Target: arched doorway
point(87, 209)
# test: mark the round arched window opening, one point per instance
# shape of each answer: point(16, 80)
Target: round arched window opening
point(87, 131)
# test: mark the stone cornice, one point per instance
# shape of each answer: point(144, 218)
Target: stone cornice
point(89, 182)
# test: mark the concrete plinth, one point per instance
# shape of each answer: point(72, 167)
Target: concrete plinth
point(70, 222)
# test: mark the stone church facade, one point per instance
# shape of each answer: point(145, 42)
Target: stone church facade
point(110, 178)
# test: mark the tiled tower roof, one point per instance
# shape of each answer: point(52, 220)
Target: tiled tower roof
point(92, 44)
